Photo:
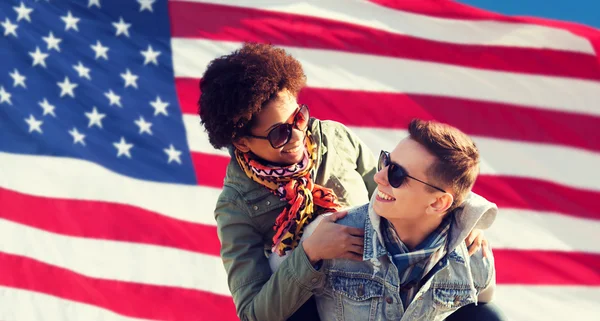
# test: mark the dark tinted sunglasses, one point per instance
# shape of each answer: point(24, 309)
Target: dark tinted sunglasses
point(281, 134)
point(396, 173)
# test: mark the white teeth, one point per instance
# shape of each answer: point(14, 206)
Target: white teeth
point(384, 196)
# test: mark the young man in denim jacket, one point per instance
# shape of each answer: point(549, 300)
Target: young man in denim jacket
point(415, 264)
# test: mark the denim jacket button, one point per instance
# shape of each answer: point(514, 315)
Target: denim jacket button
point(314, 280)
point(255, 208)
point(389, 300)
point(268, 203)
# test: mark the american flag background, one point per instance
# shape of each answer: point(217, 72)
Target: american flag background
point(108, 182)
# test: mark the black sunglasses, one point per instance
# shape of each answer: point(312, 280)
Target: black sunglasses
point(281, 134)
point(396, 173)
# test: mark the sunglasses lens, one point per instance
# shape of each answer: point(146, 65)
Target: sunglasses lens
point(280, 135)
point(302, 118)
point(396, 175)
point(382, 163)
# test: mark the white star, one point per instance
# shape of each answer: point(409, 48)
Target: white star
point(173, 154)
point(23, 12)
point(5, 96)
point(48, 109)
point(9, 28)
point(114, 99)
point(150, 56)
point(160, 107)
point(122, 27)
point(100, 50)
point(123, 148)
point(19, 80)
point(83, 71)
point(146, 4)
point(77, 136)
point(39, 58)
point(52, 42)
point(144, 126)
point(66, 87)
point(34, 124)
point(94, 3)
point(70, 21)
point(95, 118)
point(130, 79)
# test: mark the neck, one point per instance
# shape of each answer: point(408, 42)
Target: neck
point(413, 232)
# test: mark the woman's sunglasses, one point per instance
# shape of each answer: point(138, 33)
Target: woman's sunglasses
point(397, 174)
point(281, 134)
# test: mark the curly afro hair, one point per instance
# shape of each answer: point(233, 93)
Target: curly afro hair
point(235, 87)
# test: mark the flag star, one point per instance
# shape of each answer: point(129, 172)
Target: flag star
point(66, 87)
point(150, 56)
point(95, 118)
point(160, 107)
point(48, 109)
point(52, 42)
point(77, 136)
point(100, 50)
point(34, 124)
point(113, 98)
point(146, 5)
point(19, 80)
point(39, 58)
point(122, 27)
point(70, 21)
point(5, 96)
point(9, 28)
point(94, 3)
point(144, 126)
point(130, 79)
point(23, 12)
point(174, 155)
point(83, 71)
point(123, 148)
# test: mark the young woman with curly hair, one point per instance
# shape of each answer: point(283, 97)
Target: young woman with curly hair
point(286, 168)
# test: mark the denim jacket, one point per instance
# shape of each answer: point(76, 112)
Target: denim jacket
point(369, 289)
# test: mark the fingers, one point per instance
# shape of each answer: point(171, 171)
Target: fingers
point(354, 231)
point(471, 237)
point(486, 249)
point(358, 249)
point(475, 246)
point(337, 215)
point(352, 256)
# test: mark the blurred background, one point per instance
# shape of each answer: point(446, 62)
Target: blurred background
point(108, 182)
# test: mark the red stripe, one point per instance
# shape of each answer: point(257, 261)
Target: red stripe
point(226, 23)
point(130, 299)
point(390, 110)
point(109, 221)
point(505, 191)
point(456, 10)
point(546, 267)
point(210, 169)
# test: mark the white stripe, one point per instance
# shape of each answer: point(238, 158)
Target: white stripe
point(530, 230)
point(23, 305)
point(112, 260)
point(350, 71)
point(469, 32)
point(526, 303)
point(82, 180)
point(560, 164)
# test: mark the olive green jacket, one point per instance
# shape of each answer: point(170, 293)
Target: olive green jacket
point(246, 212)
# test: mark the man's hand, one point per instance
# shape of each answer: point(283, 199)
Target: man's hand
point(332, 241)
point(475, 241)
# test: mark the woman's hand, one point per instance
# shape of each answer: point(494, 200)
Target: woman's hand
point(331, 240)
point(475, 241)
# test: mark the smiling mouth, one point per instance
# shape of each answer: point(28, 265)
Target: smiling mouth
point(384, 196)
point(292, 150)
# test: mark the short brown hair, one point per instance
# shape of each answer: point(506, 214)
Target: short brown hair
point(235, 87)
point(457, 164)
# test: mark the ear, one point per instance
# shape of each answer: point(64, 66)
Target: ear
point(440, 204)
point(242, 144)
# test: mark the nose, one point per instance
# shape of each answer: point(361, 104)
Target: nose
point(381, 177)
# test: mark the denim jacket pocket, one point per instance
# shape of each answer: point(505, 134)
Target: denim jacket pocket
point(357, 298)
point(450, 299)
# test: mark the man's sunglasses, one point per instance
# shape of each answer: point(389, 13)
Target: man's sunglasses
point(397, 174)
point(281, 134)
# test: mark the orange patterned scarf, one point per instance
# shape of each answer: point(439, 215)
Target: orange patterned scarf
point(294, 185)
